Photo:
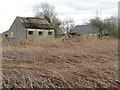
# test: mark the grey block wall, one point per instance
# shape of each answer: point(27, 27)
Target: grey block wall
point(18, 29)
point(36, 35)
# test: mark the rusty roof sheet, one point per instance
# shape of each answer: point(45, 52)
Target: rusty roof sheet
point(35, 23)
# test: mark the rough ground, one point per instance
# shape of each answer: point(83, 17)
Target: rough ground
point(77, 63)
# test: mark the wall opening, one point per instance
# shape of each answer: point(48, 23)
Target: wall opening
point(30, 32)
point(49, 33)
point(6, 35)
point(40, 33)
point(11, 34)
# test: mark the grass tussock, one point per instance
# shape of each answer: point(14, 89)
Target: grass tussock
point(61, 63)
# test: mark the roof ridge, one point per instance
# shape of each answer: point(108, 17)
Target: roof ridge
point(31, 17)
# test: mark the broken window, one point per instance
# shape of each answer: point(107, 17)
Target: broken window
point(30, 32)
point(40, 33)
point(49, 33)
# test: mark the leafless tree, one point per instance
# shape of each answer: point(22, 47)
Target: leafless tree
point(45, 10)
point(67, 25)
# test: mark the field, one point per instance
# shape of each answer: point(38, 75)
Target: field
point(68, 63)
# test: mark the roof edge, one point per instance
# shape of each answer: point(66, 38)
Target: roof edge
point(30, 17)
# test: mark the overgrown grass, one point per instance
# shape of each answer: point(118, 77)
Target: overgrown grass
point(79, 62)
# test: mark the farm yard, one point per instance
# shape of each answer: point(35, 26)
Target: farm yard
point(61, 63)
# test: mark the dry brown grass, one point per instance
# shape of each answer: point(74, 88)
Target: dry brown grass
point(76, 63)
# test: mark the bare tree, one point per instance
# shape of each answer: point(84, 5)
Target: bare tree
point(47, 11)
point(111, 25)
point(67, 25)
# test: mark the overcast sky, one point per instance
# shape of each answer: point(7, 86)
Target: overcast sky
point(79, 10)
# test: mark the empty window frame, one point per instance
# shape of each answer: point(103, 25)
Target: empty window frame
point(49, 33)
point(40, 33)
point(30, 32)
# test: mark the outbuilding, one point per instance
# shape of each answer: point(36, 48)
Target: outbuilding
point(30, 27)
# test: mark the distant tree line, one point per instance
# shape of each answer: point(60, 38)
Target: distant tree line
point(107, 27)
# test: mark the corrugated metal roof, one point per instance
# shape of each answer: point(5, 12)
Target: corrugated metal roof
point(35, 23)
point(85, 29)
